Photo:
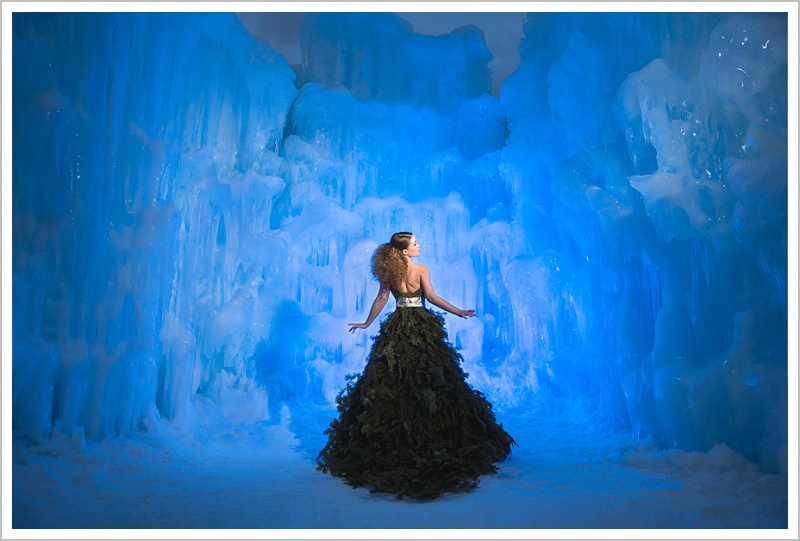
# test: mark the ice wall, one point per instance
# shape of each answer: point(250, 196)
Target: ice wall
point(631, 135)
point(192, 231)
point(145, 158)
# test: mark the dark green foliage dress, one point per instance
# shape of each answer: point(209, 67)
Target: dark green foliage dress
point(410, 424)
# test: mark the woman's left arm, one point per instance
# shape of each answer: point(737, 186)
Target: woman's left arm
point(377, 306)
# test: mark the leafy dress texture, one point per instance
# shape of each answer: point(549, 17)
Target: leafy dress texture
point(410, 424)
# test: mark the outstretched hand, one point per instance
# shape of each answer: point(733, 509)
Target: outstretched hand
point(466, 313)
point(354, 326)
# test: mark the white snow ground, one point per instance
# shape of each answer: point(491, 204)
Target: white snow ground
point(564, 479)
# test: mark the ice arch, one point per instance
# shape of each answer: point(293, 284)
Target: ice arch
point(192, 231)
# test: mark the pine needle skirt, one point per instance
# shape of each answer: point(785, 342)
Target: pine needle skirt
point(410, 424)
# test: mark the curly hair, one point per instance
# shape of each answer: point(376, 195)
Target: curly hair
point(389, 265)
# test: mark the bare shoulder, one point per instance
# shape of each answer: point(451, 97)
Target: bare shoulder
point(420, 269)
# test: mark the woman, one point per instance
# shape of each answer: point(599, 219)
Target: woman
point(410, 424)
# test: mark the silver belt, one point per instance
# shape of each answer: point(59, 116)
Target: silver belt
point(409, 302)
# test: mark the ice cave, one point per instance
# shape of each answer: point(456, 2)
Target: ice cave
point(192, 222)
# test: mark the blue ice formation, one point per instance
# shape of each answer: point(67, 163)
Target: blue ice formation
point(193, 220)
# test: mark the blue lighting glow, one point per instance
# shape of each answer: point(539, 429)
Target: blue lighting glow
point(193, 221)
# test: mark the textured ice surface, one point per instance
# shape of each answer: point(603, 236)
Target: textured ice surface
point(193, 220)
point(564, 479)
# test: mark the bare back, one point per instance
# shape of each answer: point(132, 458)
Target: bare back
point(413, 280)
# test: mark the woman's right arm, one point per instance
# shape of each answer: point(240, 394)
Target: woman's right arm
point(377, 306)
point(433, 298)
